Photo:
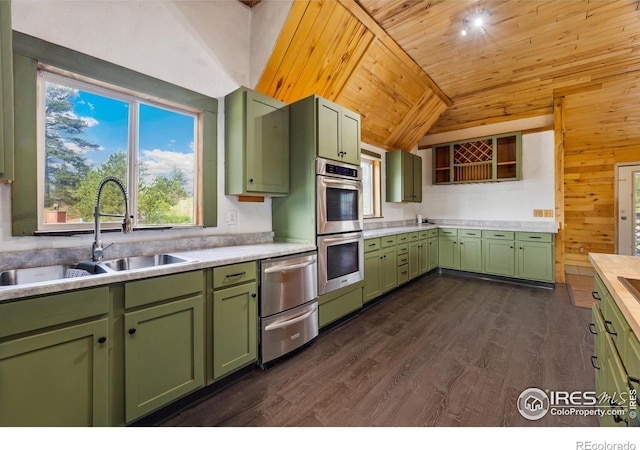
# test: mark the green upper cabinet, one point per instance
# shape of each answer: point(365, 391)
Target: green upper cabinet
point(6, 93)
point(491, 158)
point(404, 177)
point(256, 144)
point(338, 132)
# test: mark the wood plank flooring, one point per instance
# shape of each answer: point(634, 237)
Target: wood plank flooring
point(441, 351)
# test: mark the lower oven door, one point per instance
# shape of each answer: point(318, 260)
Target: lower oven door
point(340, 261)
point(286, 331)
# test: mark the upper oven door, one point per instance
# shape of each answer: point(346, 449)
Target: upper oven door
point(339, 205)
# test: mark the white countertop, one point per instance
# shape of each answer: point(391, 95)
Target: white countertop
point(531, 227)
point(202, 259)
point(610, 267)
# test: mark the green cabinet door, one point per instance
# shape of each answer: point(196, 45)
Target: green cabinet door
point(499, 257)
point(470, 254)
point(235, 328)
point(416, 189)
point(535, 261)
point(448, 252)
point(6, 93)
point(433, 253)
point(350, 138)
point(329, 121)
point(423, 256)
point(56, 378)
point(164, 354)
point(338, 132)
point(372, 278)
point(256, 144)
point(389, 269)
point(403, 177)
point(414, 259)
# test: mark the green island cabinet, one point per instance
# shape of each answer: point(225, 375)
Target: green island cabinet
point(6, 93)
point(490, 158)
point(403, 177)
point(164, 327)
point(235, 317)
point(330, 129)
point(256, 144)
point(617, 358)
point(54, 360)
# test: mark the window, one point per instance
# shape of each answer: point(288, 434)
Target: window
point(371, 198)
point(90, 131)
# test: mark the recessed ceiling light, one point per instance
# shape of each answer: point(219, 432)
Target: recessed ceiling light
point(475, 21)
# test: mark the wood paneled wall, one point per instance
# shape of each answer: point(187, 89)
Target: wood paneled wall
point(598, 135)
point(334, 49)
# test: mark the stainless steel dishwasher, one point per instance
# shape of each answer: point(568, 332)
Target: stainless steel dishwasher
point(288, 304)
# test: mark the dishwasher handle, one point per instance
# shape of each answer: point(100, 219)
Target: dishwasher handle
point(286, 268)
point(300, 318)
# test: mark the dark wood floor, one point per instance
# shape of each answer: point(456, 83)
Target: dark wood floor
point(442, 351)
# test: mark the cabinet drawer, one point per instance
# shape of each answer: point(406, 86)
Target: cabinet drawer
point(424, 235)
point(448, 232)
point(615, 323)
point(491, 234)
point(403, 259)
point(402, 238)
point(32, 314)
point(226, 276)
point(402, 249)
point(631, 357)
point(371, 244)
point(433, 232)
point(388, 241)
point(470, 233)
point(534, 237)
point(403, 274)
point(414, 236)
point(151, 290)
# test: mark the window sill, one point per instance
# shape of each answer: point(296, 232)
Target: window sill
point(64, 233)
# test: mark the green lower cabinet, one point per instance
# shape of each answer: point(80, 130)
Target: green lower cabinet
point(414, 259)
point(339, 303)
point(235, 328)
point(423, 256)
point(403, 274)
point(470, 254)
point(448, 252)
point(535, 261)
point(56, 378)
point(433, 253)
point(164, 354)
point(389, 273)
point(372, 278)
point(499, 257)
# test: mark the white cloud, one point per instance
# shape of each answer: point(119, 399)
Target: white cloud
point(89, 121)
point(162, 163)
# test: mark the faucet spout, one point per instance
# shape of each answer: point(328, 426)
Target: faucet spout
point(97, 251)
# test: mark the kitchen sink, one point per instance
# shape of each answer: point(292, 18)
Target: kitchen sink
point(30, 275)
point(632, 285)
point(139, 262)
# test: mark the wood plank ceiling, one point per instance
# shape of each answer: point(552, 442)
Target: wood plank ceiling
point(335, 50)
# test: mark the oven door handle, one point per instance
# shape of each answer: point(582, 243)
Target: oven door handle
point(345, 237)
point(286, 268)
point(346, 183)
point(300, 318)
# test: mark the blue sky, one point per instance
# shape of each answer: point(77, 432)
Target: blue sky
point(165, 137)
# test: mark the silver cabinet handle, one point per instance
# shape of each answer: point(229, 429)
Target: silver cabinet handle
point(345, 237)
point(286, 268)
point(275, 326)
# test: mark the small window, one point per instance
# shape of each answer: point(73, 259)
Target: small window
point(89, 131)
point(371, 198)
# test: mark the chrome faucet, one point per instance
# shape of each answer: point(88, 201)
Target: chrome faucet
point(97, 251)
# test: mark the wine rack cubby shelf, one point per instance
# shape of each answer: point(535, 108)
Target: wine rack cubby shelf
point(486, 159)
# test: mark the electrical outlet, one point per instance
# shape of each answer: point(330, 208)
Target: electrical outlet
point(537, 213)
point(232, 217)
point(548, 213)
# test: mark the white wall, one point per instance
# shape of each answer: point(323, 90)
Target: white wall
point(510, 200)
point(200, 45)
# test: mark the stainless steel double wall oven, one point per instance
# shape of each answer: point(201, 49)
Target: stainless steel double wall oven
point(339, 225)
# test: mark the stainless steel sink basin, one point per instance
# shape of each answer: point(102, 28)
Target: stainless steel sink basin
point(141, 262)
point(632, 285)
point(38, 274)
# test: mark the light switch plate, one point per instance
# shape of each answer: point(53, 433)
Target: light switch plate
point(537, 213)
point(232, 217)
point(548, 213)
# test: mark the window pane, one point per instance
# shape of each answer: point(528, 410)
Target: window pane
point(86, 139)
point(367, 187)
point(166, 167)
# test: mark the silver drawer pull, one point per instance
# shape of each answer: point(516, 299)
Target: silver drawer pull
point(275, 326)
point(286, 268)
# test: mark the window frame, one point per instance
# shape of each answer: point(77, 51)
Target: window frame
point(28, 52)
point(47, 73)
point(376, 188)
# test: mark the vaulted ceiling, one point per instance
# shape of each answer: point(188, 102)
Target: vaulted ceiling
point(406, 68)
